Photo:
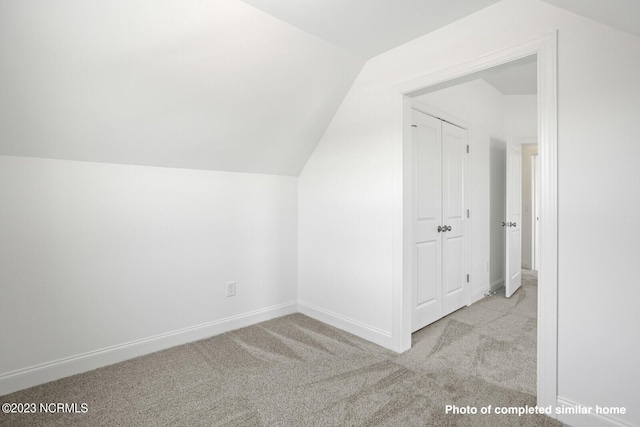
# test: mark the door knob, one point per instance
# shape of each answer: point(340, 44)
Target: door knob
point(440, 229)
point(448, 227)
point(504, 223)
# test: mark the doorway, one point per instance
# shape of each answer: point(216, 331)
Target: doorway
point(545, 49)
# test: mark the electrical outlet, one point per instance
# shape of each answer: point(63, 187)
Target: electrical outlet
point(231, 289)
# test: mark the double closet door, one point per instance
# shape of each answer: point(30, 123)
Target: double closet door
point(439, 245)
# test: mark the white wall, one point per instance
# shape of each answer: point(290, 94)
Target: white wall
point(521, 116)
point(598, 142)
point(99, 255)
point(350, 192)
point(345, 212)
point(481, 107)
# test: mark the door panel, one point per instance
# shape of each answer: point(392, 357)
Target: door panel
point(427, 273)
point(513, 220)
point(454, 145)
point(453, 265)
point(429, 182)
point(514, 261)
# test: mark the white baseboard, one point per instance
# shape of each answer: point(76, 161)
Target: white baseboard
point(478, 295)
point(51, 371)
point(366, 332)
point(496, 284)
point(587, 420)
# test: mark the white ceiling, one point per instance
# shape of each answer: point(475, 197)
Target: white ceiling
point(621, 14)
point(218, 85)
point(516, 78)
point(369, 27)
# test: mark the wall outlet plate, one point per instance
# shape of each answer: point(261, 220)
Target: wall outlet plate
point(231, 289)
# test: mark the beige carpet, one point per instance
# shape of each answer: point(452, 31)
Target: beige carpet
point(295, 371)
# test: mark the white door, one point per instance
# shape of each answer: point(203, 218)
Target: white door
point(438, 255)
point(513, 220)
point(427, 217)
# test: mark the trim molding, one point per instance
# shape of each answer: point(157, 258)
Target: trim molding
point(51, 371)
point(364, 331)
point(586, 420)
point(478, 295)
point(496, 284)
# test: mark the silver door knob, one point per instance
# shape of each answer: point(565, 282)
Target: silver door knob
point(440, 229)
point(448, 227)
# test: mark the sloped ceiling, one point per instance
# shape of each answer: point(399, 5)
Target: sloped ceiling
point(515, 78)
point(193, 84)
point(621, 14)
point(369, 27)
point(218, 85)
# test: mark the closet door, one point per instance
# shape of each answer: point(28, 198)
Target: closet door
point(427, 217)
point(454, 150)
point(438, 253)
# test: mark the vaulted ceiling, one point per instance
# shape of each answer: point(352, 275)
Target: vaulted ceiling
point(247, 86)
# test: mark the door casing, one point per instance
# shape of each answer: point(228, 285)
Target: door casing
point(545, 48)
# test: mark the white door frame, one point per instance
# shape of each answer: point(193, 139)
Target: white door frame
point(535, 237)
point(546, 50)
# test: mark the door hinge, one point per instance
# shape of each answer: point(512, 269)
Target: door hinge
point(467, 278)
point(467, 213)
point(467, 148)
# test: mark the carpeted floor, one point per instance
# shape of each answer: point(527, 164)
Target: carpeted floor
point(295, 371)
